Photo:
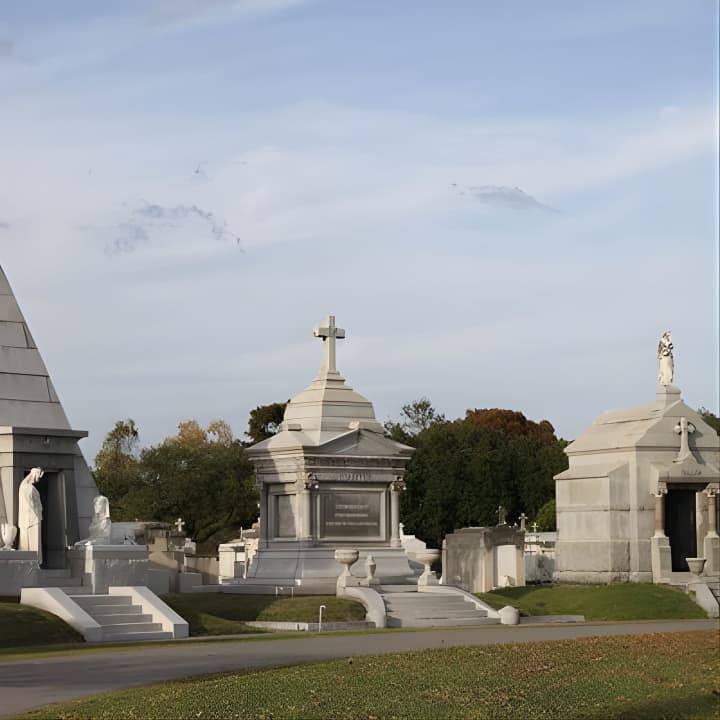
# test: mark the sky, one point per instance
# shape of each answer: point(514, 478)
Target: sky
point(504, 204)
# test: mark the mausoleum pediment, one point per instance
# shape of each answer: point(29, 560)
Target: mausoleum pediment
point(647, 426)
point(363, 444)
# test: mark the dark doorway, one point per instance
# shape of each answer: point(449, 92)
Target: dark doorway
point(51, 487)
point(680, 527)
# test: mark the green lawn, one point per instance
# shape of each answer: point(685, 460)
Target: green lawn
point(208, 614)
point(225, 613)
point(643, 677)
point(23, 625)
point(626, 601)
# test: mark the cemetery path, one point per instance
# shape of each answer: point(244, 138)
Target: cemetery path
point(29, 683)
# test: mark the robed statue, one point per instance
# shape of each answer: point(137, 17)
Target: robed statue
point(30, 514)
point(100, 525)
point(666, 364)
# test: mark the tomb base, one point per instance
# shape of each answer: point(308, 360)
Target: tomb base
point(18, 569)
point(315, 567)
point(100, 566)
point(711, 548)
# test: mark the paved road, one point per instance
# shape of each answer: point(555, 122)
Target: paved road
point(28, 683)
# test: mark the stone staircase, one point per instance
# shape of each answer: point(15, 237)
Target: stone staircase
point(713, 584)
point(409, 608)
point(120, 619)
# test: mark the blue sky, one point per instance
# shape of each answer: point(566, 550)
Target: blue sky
point(505, 204)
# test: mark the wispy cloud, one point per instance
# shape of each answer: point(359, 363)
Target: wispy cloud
point(149, 218)
point(502, 197)
point(4, 225)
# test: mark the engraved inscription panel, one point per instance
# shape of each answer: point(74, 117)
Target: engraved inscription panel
point(351, 515)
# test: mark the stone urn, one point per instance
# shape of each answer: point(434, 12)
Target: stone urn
point(347, 557)
point(7, 534)
point(695, 565)
point(427, 557)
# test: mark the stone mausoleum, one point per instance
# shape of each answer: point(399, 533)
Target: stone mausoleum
point(35, 432)
point(328, 479)
point(640, 494)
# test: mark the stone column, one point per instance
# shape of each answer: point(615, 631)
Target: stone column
point(711, 512)
point(396, 487)
point(264, 529)
point(306, 508)
point(660, 513)
point(660, 556)
point(711, 542)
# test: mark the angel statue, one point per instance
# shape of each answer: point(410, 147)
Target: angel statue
point(666, 365)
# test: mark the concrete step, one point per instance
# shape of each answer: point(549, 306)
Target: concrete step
point(98, 611)
point(139, 636)
point(70, 588)
point(414, 609)
point(398, 588)
point(86, 601)
point(439, 600)
point(430, 615)
point(440, 622)
point(129, 619)
point(130, 627)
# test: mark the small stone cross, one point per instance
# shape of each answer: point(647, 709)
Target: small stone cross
point(534, 527)
point(180, 525)
point(683, 429)
point(329, 333)
point(501, 515)
point(523, 517)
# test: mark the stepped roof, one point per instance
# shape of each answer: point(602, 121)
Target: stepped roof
point(27, 396)
point(329, 409)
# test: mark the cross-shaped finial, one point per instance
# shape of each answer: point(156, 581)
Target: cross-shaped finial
point(329, 333)
point(683, 429)
point(523, 518)
point(180, 525)
point(534, 527)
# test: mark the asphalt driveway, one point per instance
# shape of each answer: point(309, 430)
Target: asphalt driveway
point(29, 683)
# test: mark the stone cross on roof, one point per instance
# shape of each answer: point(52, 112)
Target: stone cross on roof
point(327, 330)
point(683, 429)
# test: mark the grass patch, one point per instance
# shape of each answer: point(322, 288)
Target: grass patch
point(227, 613)
point(657, 676)
point(626, 601)
point(28, 626)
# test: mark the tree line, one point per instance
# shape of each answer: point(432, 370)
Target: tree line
point(462, 470)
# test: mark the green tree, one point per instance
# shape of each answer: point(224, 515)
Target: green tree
point(546, 518)
point(201, 475)
point(710, 418)
point(117, 469)
point(265, 421)
point(462, 470)
point(415, 417)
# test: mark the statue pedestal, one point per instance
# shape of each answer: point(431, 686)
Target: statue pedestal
point(660, 557)
point(18, 569)
point(101, 566)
